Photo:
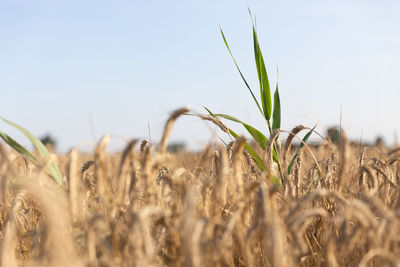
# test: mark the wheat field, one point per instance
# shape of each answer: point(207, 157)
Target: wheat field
point(148, 207)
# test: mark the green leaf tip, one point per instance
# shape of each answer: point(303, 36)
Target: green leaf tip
point(240, 73)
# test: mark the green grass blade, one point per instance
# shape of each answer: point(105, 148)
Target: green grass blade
point(228, 117)
point(275, 155)
point(251, 151)
point(275, 180)
point(255, 156)
point(265, 90)
point(55, 173)
point(233, 133)
point(17, 147)
point(209, 111)
point(53, 168)
point(256, 134)
point(34, 140)
point(276, 159)
point(276, 116)
point(305, 139)
point(248, 148)
point(240, 72)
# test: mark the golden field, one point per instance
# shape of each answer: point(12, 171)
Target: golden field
point(148, 207)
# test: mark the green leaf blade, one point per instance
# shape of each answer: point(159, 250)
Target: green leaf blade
point(256, 134)
point(265, 90)
point(54, 171)
point(17, 147)
point(276, 122)
point(296, 154)
point(253, 154)
point(209, 111)
point(240, 72)
point(261, 139)
point(34, 140)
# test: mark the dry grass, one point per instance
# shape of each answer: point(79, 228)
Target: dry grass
point(146, 207)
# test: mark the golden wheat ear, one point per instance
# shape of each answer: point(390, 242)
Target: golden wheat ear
point(168, 127)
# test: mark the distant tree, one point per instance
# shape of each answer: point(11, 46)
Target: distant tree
point(379, 141)
point(176, 146)
point(49, 141)
point(333, 134)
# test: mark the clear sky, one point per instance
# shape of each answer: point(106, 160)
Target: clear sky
point(81, 69)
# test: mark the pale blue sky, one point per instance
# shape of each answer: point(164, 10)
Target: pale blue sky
point(125, 65)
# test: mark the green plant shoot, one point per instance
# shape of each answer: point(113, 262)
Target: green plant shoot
point(271, 113)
